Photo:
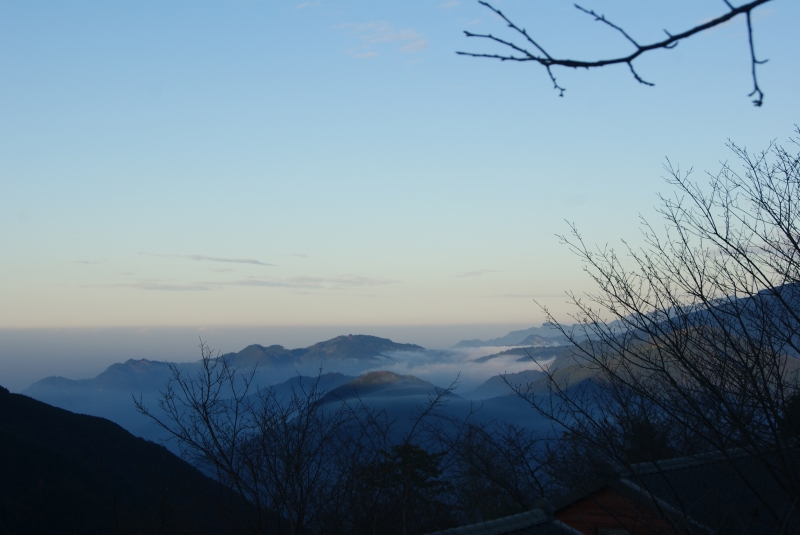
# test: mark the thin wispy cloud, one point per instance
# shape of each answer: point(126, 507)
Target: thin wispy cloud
point(161, 286)
point(530, 296)
point(303, 5)
point(291, 282)
point(201, 258)
point(380, 32)
point(359, 281)
point(86, 262)
point(478, 273)
point(312, 283)
point(416, 46)
point(301, 283)
point(449, 5)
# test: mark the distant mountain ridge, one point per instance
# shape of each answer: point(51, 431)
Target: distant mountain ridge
point(358, 347)
point(143, 374)
point(535, 336)
point(344, 359)
point(108, 395)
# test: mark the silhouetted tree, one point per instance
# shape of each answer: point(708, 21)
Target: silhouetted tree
point(692, 341)
point(306, 463)
point(410, 493)
point(495, 469)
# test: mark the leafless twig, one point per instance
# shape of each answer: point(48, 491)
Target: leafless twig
point(534, 51)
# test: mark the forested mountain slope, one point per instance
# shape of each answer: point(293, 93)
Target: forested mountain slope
point(70, 473)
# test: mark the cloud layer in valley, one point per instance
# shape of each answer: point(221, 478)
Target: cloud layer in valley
point(442, 367)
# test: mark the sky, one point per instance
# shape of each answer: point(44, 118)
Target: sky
point(332, 164)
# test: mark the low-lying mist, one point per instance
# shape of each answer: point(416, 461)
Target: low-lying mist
point(445, 366)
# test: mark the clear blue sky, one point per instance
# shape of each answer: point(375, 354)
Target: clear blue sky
point(252, 163)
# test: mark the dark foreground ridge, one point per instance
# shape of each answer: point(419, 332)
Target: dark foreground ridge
point(71, 473)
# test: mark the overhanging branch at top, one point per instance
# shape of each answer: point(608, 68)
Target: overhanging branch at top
point(533, 51)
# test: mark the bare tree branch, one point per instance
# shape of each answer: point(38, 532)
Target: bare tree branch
point(537, 53)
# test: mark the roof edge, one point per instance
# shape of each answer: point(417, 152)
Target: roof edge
point(500, 525)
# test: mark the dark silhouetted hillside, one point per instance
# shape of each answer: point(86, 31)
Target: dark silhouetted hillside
point(502, 385)
point(528, 354)
point(384, 384)
point(70, 473)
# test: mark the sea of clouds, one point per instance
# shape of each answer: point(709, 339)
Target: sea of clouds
point(442, 367)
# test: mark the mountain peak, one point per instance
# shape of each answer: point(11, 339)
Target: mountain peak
point(353, 347)
point(383, 377)
point(545, 335)
point(384, 384)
